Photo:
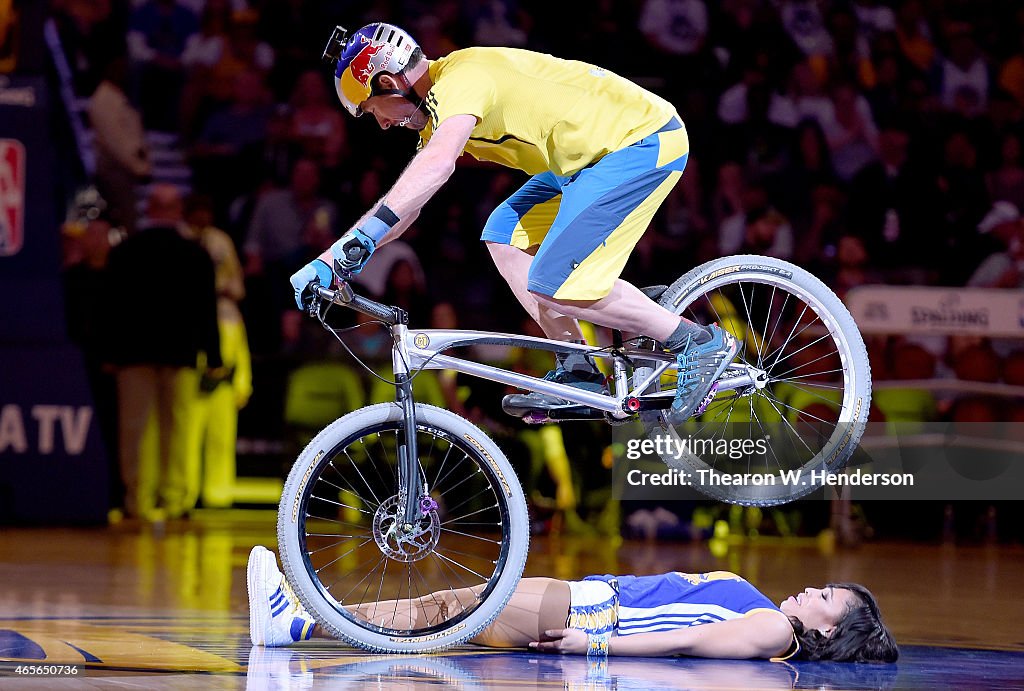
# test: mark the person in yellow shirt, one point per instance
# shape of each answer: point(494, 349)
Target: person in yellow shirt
point(603, 152)
point(211, 464)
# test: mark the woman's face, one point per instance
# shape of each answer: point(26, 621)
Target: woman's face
point(819, 608)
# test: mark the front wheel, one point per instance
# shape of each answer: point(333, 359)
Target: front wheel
point(808, 405)
point(377, 582)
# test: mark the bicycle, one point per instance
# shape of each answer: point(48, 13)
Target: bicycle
point(443, 504)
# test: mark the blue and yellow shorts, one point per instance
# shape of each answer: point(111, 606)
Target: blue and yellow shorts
point(587, 224)
point(593, 607)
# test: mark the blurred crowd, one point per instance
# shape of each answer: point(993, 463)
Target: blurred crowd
point(871, 141)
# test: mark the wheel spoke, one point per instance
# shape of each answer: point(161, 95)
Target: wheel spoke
point(341, 504)
point(799, 411)
point(791, 336)
point(812, 374)
point(342, 556)
point(461, 566)
point(721, 322)
point(782, 377)
point(764, 331)
point(469, 499)
point(326, 547)
point(469, 535)
point(772, 402)
point(454, 520)
point(800, 350)
point(750, 322)
point(782, 313)
point(355, 466)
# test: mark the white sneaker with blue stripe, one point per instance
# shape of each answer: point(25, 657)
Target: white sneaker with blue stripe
point(276, 617)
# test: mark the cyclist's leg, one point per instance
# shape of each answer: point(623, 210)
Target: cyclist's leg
point(512, 234)
point(624, 308)
point(601, 217)
point(603, 213)
point(514, 265)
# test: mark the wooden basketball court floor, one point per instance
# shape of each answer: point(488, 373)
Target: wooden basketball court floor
point(138, 607)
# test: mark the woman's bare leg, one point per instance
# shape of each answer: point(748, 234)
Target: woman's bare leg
point(415, 613)
point(538, 604)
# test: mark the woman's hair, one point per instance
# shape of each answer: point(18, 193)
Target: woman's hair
point(859, 636)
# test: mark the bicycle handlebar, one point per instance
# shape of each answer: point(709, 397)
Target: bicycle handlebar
point(345, 297)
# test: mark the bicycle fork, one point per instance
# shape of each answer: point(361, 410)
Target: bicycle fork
point(410, 507)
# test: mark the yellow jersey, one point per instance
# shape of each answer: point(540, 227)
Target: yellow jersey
point(539, 113)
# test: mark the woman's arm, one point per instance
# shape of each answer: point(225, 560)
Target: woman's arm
point(762, 634)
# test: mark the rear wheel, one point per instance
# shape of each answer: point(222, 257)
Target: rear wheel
point(810, 401)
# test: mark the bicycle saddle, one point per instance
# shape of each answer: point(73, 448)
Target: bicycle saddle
point(654, 292)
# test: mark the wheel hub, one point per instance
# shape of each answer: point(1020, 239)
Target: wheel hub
point(406, 542)
point(758, 377)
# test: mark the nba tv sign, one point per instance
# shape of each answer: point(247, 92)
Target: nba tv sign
point(12, 196)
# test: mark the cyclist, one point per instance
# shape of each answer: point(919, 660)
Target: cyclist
point(603, 152)
point(716, 614)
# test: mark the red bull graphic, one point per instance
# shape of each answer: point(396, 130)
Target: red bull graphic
point(362, 64)
point(12, 196)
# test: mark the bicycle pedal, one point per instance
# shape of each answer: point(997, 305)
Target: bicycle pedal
point(562, 414)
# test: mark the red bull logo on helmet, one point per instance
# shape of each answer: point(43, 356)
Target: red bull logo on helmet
point(12, 196)
point(362, 64)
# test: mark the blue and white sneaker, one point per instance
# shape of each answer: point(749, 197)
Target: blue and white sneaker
point(276, 617)
point(699, 367)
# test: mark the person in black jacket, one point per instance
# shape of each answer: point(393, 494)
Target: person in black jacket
point(894, 208)
point(162, 332)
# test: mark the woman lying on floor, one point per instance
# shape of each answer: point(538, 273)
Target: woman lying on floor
point(716, 614)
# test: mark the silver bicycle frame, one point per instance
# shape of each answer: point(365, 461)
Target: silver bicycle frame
point(424, 348)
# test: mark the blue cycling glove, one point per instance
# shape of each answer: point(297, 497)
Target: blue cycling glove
point(316, 271)
point(353, 250)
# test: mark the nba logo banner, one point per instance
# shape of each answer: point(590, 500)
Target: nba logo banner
point(12, 196)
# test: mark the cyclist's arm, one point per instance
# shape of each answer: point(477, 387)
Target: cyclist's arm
point(760, 635)
point(431, 167)
point(426, 173)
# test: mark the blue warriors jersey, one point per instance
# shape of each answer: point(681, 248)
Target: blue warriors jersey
point(677, 600)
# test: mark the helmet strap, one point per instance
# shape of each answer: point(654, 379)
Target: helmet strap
point(407, 92)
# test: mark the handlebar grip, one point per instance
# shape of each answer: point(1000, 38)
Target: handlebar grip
point(344, 296)
point(374, 309)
